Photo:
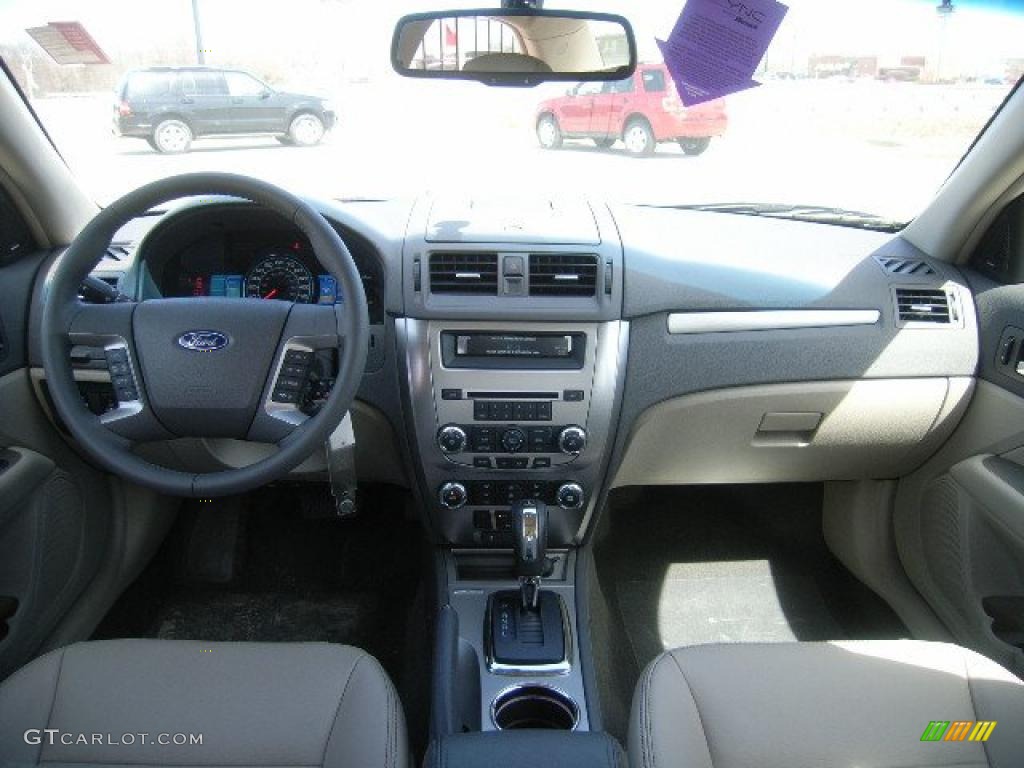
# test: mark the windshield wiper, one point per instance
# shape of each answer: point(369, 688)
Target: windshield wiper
point(815, 213)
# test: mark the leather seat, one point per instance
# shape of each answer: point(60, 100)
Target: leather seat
point(840, 704)
point(254, 704)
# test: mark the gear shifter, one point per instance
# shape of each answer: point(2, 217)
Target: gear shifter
point(526, 628)
point(530, 529)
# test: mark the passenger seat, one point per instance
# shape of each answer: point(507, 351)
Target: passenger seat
point(837, 704)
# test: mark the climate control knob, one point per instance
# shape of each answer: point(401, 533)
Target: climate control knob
point(513, 440)
point(452, 495)
point(451, 439)
point(569, 496)
point(572, 440)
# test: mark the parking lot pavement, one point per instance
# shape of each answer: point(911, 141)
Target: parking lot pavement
point(802, 143)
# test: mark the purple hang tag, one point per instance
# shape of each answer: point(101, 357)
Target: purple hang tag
point(716, 45)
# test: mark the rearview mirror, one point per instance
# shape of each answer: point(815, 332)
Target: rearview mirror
point(517, 47)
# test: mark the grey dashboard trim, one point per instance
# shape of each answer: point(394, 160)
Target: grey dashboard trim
point(718, 322)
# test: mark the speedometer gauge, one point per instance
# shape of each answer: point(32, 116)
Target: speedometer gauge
point(279, 277)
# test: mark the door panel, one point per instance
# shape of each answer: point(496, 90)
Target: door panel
point(205, 100)
point(606, 116)
point(959, 520)
point(576, 109)
point(54, 507)
point(254, 109)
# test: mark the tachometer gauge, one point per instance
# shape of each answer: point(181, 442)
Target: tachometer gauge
point(279, 277)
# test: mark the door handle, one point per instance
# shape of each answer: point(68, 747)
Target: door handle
point(188, 101)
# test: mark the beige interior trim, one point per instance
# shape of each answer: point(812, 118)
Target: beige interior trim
point(40, 182)
point(871, 428)
point(972, 194)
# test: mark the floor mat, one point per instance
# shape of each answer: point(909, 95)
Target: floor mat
point(683, 566)
point(292, 578)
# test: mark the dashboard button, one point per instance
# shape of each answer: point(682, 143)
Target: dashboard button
point(481, 462)
point(513, 440)
point(542, 463)
point(540, 439)
point(451, 394)
point(573, 395)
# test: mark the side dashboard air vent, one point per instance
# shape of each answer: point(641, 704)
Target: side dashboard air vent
point(464, 273)
point(563, 274)
point(897, 266)
point(925, 305)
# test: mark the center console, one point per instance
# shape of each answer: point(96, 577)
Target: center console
point(513, 350)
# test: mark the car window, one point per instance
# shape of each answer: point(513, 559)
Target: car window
point(203, 84)
point(148, 85)
point(619, 86)
point(241, 84)
point(654, 81)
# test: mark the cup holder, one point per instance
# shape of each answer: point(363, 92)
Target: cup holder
point(534, 706)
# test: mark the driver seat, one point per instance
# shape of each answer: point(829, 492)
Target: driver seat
point(253, 704)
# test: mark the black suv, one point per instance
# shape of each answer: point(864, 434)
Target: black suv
point(170, 106)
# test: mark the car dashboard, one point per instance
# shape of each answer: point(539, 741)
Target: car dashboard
point(560, 348)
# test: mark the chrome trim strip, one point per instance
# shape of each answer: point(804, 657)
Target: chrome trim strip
point(770, 319)
point(575, 707)
point(563, 667)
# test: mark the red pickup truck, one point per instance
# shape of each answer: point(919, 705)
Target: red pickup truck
point(641, 111)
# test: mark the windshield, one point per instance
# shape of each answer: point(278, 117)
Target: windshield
point(863, 106)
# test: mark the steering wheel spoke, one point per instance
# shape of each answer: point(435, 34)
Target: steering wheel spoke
point(100, 336)
point(303, 372)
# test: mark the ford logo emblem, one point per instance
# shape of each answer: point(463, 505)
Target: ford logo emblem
point(203, 341)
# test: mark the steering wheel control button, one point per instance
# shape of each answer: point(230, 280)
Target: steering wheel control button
point(452, 438)
point(285, 396)
point(570, 496)
point(301, 356)
point(121, 378)
point(572, 441)
point(513, 440)
point(453, 495)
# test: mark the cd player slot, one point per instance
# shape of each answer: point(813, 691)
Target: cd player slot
point(512, 395)
point(499, 350)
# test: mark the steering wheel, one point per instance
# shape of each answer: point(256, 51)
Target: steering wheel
point(203, 367)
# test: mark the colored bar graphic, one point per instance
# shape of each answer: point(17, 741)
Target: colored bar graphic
point(958, 730)
point(982, 730)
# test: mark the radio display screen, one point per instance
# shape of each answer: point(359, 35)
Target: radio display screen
point(538, 346)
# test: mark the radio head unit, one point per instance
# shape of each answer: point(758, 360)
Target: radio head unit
point(514, 350)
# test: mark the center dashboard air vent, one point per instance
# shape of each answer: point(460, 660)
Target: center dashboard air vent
point(464, 273)
point(563, 274)
point(925, 305)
